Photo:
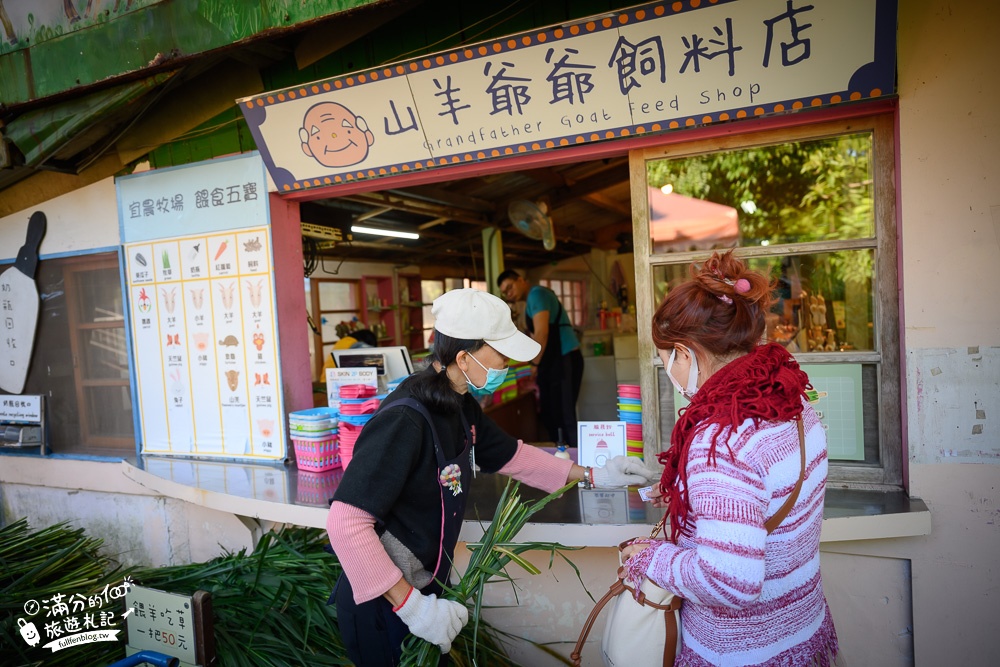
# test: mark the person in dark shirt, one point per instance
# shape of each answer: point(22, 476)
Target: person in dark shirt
point(396, 515)
point(559, 363)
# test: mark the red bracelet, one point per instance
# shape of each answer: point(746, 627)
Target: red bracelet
point(407, 597)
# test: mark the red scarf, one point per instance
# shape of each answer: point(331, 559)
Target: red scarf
point(765, 385)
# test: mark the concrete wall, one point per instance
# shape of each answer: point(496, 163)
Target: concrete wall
point(84, 218)
point(949, 139)
point(137, 526)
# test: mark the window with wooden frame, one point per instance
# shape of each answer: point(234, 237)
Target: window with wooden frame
point(431, 289)
point(570, 295)
point(813, 207)
point(336, 308)
point(80, 359)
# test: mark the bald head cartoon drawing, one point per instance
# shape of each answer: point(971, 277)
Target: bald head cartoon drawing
point(334, 136)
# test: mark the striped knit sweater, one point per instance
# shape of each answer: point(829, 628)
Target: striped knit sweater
point(750, 598)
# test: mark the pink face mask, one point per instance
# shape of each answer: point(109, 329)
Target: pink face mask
point(692, 381)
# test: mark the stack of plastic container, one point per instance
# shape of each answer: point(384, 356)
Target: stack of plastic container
point(317, 488)
point(357, 403)
point(522, 375)
point(507, 391)
point(630, 412)
point(314, 434)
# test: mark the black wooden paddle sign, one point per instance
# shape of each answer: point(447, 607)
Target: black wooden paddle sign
point(19, 309)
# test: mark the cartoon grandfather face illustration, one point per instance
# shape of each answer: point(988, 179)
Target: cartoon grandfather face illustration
point(334, 136)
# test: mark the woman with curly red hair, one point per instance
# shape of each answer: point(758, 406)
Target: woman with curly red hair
point(752, 597)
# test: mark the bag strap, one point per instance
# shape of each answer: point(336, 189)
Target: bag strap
point(780, 515)
point(619, 586)
point(614, 591)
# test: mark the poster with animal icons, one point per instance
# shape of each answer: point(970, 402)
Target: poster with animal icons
point(203, 328)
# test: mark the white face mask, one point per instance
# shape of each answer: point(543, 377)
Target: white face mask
point(692, 381)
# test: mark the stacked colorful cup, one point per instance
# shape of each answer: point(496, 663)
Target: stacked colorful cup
point(314, 434)
point(522, 375)
point(357, 404)
point(507, 391)
point(630, 412)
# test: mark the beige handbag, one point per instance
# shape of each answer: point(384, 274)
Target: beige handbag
point(645, 630)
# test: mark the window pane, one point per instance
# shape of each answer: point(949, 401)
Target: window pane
point(103, 354)
point(89, 403)
point(787, 193)
point(429, 290)
point(825, 301)
point(100, 297)
point(338, 296)
point(109, 412)
point(848, 411)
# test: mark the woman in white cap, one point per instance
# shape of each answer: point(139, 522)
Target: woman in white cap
point(396, 515)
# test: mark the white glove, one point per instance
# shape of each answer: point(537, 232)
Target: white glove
point(624, 471)
point(436, 620)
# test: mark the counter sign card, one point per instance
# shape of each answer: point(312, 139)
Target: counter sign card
point(600, 441)
point(159, 621)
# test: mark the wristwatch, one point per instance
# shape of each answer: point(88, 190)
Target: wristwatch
point(588, 477)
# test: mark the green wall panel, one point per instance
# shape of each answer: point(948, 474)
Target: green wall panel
point(50, 60)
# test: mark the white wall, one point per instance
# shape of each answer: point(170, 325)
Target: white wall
point(137, 526)
point(78, 220)
point(949, 110)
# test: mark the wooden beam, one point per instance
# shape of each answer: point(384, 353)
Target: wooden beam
point(548, 176)
point(400, 203)
point(438, 195)
point(609, 204)
point(342, 29)
point(433, 223)
point(372, 213)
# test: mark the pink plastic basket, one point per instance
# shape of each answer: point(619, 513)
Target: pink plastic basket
point(317, 455)
point(318, 487)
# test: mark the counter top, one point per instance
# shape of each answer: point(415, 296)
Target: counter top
point(582, 517)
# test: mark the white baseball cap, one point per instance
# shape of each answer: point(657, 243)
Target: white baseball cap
point(472, 314)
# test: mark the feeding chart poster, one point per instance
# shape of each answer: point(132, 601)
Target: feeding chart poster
point(203, 329)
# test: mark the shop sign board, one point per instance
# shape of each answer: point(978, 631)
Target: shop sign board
point(646, 69)
point(209, 196)
point(23, 408)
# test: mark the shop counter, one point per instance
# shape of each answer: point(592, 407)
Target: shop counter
point(581, 518)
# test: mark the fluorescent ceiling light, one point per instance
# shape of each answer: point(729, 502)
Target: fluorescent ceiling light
point(358, 229)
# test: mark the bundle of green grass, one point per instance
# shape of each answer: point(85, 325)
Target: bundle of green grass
point(269, 606)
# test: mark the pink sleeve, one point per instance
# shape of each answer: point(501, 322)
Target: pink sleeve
point(537, 468)
point(361, 554)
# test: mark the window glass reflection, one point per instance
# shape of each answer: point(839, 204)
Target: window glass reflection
point(825, 301)
point(795, 192)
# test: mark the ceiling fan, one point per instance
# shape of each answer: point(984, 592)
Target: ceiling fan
point(533, 221)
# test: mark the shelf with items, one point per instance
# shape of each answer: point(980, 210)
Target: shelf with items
point(411, 308)
point(379, 307)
